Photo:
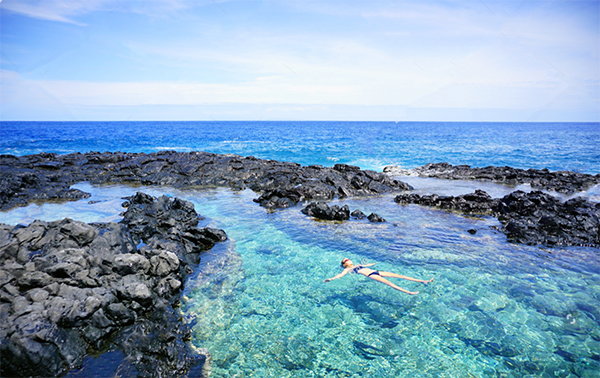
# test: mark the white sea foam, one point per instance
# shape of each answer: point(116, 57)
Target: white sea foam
point(180, 148)
point(591, 194)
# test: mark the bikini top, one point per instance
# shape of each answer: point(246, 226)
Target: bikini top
point(357, 268)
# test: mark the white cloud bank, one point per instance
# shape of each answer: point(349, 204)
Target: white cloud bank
point(412, 61)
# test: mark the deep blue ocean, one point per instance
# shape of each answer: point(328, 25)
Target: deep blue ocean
point(370, 145)
point(258, 305)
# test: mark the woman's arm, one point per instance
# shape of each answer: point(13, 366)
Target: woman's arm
point(338, 276)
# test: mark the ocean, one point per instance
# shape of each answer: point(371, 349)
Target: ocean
point(258, 303)
point(370, 145)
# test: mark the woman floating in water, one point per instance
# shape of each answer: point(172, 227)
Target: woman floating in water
point(375, 275)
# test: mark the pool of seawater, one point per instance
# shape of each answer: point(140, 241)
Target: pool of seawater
point(259, 305)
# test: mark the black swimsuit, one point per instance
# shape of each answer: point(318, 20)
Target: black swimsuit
point(359, 267)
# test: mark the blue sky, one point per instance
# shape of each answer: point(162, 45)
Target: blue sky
point(300, 60)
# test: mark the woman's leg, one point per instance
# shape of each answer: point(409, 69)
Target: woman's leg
point(396, 275)
point(383, 280)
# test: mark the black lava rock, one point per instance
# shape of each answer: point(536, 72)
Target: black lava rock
point(358, 214)
point(561, 181)
point(68, 289)
point(49, 176)
point(534, 218)
point(375, 218)
point(323, 211)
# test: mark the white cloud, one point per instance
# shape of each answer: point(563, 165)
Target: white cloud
point(77, 93)
point(424, 55)
point(22, 99)
point(55, 10)
point(274, 98)
point(69, 10)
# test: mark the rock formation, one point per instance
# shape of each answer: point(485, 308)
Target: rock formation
point(534, 218)
point(562, 181)
point(69, 289)
point(49, 176)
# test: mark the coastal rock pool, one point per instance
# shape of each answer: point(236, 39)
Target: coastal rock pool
point(258, 303)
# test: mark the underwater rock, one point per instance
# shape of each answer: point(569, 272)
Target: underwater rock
point(561, 181)
point(70, 288)
point(534, 218)
point(368, 352)
point(49, 176)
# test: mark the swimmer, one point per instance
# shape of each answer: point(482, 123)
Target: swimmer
point(375, 275)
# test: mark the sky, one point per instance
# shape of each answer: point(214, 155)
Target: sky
point(517, 61)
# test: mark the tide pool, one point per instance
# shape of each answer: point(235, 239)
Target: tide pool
point(258, 303)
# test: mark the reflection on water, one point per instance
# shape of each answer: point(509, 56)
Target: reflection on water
point(259, 304)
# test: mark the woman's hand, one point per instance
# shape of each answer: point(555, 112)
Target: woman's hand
point(327, 280)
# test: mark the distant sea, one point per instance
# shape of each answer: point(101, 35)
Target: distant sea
point(258, 303)
point(370, 145)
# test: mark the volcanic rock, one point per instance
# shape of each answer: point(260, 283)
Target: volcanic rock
point(50, 176)
point(70, 288)
point(534, 218)
point(542, 179)
point(375, 218)
point(323, 211)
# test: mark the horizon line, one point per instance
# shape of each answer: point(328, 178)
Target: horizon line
point(287, 120)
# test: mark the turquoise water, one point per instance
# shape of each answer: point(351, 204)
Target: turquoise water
point(259, 305)
point(370, 145)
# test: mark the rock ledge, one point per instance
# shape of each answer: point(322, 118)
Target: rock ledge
point(561, 181)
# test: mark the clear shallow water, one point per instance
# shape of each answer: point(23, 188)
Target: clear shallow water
point(259, 305)
point(370, 145)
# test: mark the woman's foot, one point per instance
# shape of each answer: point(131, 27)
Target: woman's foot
point(428, 281)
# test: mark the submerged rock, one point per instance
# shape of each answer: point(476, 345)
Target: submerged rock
point(70, 288)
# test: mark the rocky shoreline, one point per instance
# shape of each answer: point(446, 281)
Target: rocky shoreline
point(565, 182)
point(71, 289)
point(534, 218)
point(48, 176)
